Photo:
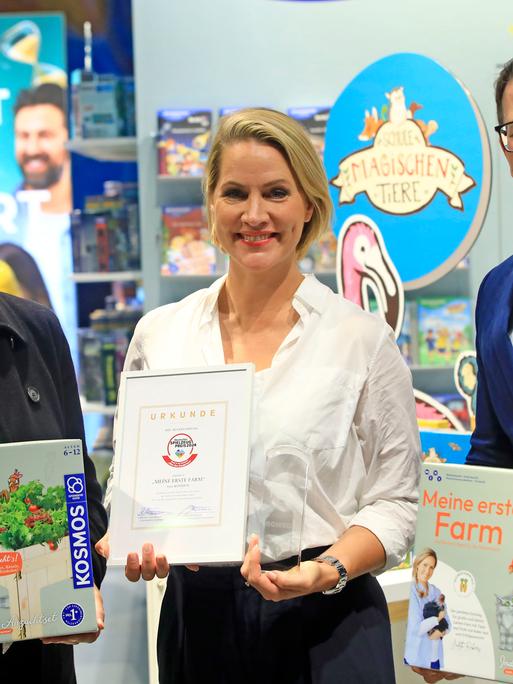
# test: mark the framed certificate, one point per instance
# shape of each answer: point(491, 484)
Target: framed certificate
point(181, 464)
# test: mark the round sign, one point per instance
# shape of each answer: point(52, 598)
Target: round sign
point(407, 147)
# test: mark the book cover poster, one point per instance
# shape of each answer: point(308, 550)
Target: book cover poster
point(183, 141)
point(460, 616)
point(444, 329)
point(186, 248)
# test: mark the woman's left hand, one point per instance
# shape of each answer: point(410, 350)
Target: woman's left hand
point(86, 637)
point(277, 585)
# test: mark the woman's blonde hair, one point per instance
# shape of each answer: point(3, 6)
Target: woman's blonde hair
point(425, 553)
point(270, 127)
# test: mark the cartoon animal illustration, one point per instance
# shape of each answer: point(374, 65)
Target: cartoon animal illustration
point(363, 264)
point(371, 125)
point(504, 616)
point(396, 112)
point(431, 456)
point(13, 482)
point(454, 446)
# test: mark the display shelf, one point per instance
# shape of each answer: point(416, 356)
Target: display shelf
point(456, 283)
point(105, 149)
point(179, 191)
point(96, 407)
point(104, 277)
point(434, 379)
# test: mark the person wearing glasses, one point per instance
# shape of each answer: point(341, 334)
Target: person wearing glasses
point(492, 439)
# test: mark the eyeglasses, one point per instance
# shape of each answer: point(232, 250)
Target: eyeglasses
point(505, 132)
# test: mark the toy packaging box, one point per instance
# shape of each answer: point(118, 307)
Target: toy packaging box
point(46, 573)
point(444, 446)
point(444, 329)
point(186, 249)
point(460, 616)
point(183, 141)
point(315, 121)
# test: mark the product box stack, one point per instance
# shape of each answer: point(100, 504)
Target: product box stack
point(103, 105)
point(105, 235)
point(102, 351)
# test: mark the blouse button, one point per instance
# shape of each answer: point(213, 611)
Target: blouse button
point(33, 393)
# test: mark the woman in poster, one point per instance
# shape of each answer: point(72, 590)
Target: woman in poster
point(428, 621)
point(329, 380)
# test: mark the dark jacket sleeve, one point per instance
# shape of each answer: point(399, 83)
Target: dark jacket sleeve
point(74, 428)
point(490, 445)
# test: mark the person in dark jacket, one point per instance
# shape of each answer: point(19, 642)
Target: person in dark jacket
point(39, 400)
point(492, 439)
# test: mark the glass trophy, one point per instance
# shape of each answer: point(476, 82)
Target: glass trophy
point(282, 514)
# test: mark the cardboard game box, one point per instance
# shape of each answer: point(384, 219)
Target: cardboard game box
point(444, 329)
point(315, 121)
point(186, 248)
point(464, 621)
point(46, 572)
point(183, 141)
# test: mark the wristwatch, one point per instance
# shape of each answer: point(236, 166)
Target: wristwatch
point(342, 573)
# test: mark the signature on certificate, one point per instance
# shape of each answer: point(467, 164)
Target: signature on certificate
point(146, 512)
point(193, 509)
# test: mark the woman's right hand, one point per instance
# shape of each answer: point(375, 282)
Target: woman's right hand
point(151, 565)
point(148, 567)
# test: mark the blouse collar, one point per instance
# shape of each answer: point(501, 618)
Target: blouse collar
point(311, 295)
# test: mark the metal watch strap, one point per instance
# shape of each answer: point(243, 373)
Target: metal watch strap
point(342, 573)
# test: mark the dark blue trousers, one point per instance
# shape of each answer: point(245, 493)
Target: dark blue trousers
point(215, 629)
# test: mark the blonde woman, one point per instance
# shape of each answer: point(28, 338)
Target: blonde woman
point(426, 628)
point(331, 383)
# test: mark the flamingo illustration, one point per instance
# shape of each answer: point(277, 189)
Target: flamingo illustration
point(363, 264)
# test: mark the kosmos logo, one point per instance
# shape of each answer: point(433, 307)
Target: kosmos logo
point(78, 525)
point(180, 450)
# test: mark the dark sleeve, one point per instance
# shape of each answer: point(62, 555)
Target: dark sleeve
point(490, 445)
point(74, 428)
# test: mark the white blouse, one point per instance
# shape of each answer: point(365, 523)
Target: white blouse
point(338, 396)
